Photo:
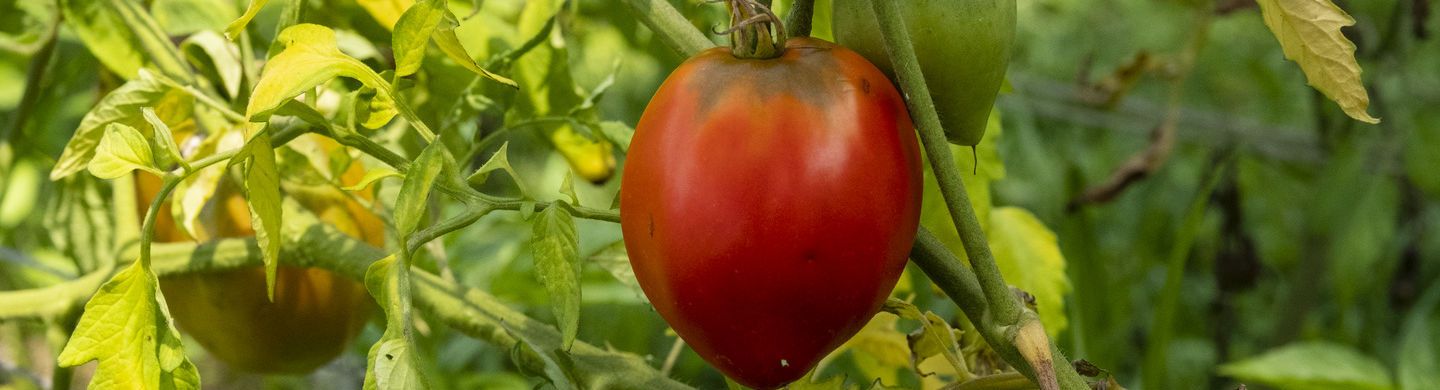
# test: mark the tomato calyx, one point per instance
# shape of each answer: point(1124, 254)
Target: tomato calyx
point(755, 32)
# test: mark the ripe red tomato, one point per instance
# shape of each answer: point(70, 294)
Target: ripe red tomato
point(768, 206)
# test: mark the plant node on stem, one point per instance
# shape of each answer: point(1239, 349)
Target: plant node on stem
point(755, 32)
point(1034, 345)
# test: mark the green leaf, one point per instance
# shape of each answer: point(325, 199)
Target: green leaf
point(187, 17)
point(412, 34)
point(125, 328)
point(216, 58)
point(1309, 34)
point(376, 111)
point(163, 139)
point(557, 265)
point(262, 193)
point(121, 33)
point(979, 167)
point(105, 33)
point(500, 160)
point(1313, 365)
point(935, 337)
point(448, 43)
point(615, 259)
point(1422, 152)
point(310, 57)
point(1419, 355)
point(567, 187)
point(391, 362)
point(432, 163)
point(119, 106)
point(122, 149)
point(432, 19)
point(1028, 254)
point(618, 133)
point(232, 32)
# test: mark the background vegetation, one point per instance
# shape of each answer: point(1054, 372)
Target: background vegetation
point(1276, 242)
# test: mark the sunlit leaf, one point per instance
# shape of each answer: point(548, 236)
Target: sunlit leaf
point(163, 138)
point(371, 176)
point(232, 31)
point(1311, 366)
point(310, 58)
point(121, 105)
point(105, 33)
point(1309, 34)
point(879, 350)
point(125, 328)
point(557, 264)
point(122, 150)
point(412, 34)
point(386, 12)
point(262, 195)
point(1028, 254)
point(424, 20)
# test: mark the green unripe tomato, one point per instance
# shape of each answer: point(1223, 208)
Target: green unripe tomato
point(963, 47)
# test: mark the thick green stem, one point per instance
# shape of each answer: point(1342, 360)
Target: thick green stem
point(670, 26)
point(922, 109)
point(1004, 310)
point(797, 21)
point(958, 282)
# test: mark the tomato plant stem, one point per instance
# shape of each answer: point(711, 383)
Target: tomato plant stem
point(797, 20)
point(1004, 310)
point(670, 26)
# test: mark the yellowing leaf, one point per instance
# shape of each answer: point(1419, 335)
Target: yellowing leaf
point(119, 106)
point(879, 350)
point(122, 149)
point(125, 328)
point(1309, 34)
point(371, 176)
point(1028, 254)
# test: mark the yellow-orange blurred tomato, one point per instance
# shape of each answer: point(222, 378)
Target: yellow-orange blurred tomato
point(315, 314)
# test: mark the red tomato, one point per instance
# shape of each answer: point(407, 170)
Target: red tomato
point(768, 206)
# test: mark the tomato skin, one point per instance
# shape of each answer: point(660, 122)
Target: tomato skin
point(315, 314)
point(768, 206)
point(963, 47)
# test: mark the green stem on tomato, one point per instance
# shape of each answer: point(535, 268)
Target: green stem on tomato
point(922, 109)
point(1004, 311)
point(668, 24)
point(798, 19)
